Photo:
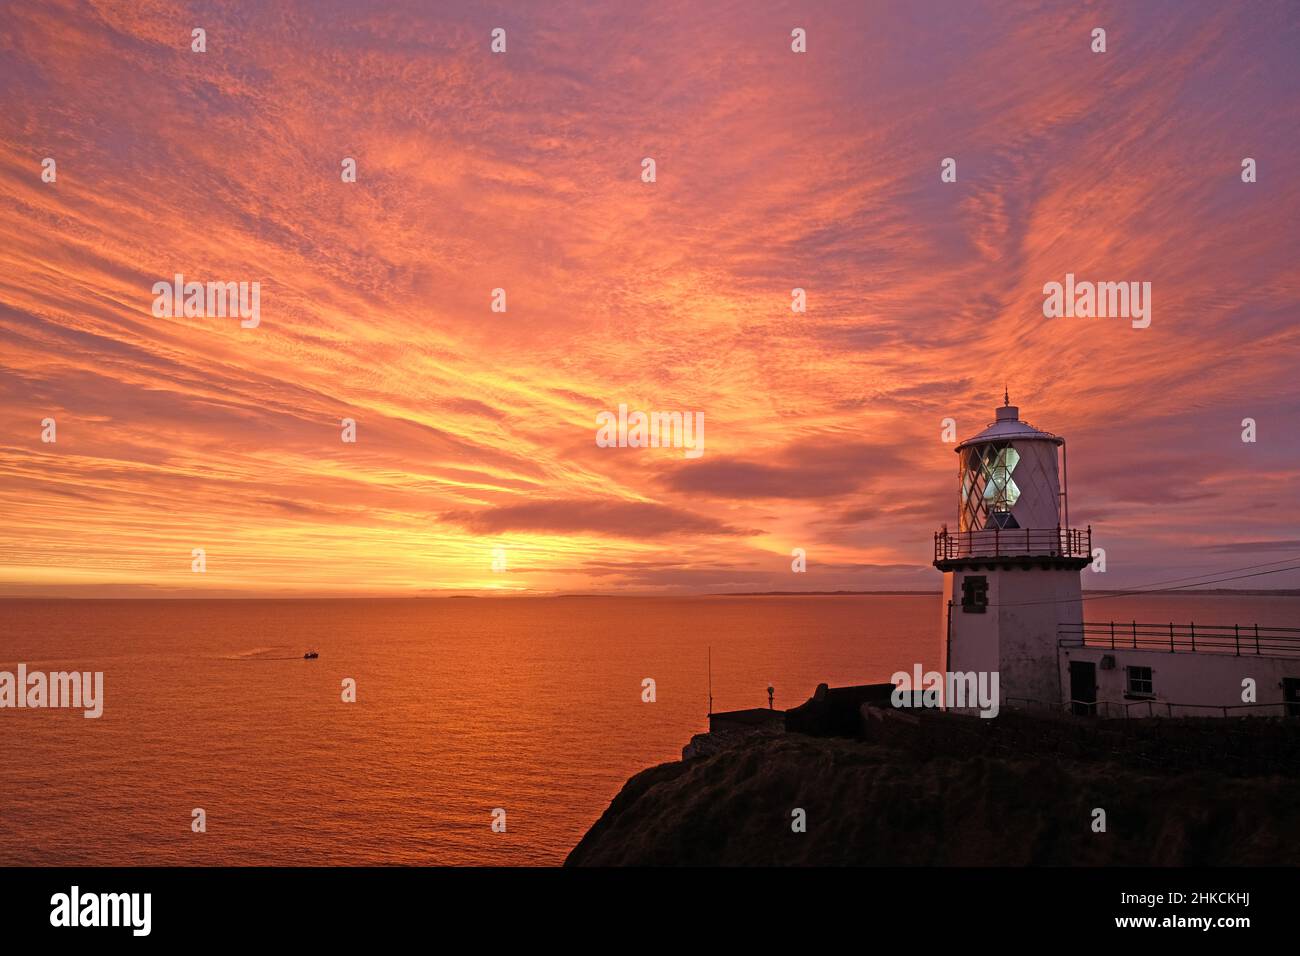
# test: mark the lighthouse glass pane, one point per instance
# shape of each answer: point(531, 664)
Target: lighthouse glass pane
point(987, 485)
point(1001, 493)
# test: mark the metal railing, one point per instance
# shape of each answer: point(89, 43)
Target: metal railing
point(1013, 542)
point(1234, 639)
point(1154, 708)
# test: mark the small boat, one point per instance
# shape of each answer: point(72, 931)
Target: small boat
point(310, 656)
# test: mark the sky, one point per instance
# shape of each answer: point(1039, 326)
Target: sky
point(774, 170)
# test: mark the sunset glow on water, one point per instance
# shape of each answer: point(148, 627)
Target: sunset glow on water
point(463, 706)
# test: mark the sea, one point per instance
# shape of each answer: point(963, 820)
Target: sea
point(484, 731)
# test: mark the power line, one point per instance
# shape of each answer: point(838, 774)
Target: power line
point(1236, 578)
point(1208, 574)
point(1160, 590)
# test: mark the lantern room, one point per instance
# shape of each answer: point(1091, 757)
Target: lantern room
point(1009, 476)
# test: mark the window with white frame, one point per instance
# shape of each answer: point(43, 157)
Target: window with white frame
point(1139, 681)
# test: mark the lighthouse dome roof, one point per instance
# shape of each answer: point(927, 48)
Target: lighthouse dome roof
point(1009, 427)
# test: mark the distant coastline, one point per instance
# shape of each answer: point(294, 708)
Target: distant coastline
point(514, 595)
point(1233, 592)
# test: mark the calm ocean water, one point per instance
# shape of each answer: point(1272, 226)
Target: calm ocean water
point(463, 705)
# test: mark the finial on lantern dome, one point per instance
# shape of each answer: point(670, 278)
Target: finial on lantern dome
point(1006, 395)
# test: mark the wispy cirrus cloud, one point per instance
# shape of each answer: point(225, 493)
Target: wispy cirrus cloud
point(619, 519)
point(475, 429)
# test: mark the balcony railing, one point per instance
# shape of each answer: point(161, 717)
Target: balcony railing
point(1153, 708)
point(1238, 639)
point(1013, 542)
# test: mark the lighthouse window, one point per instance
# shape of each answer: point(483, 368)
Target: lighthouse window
point(1139, 681)
point(987, 486)
point(974, 594)
point(1001, 493)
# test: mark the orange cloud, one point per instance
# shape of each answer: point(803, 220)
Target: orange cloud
point(775, 171)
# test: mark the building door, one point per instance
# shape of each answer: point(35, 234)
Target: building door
point(1291, 694)
point(1083, 688)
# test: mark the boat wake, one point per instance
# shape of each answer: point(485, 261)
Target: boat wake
point(264, 654)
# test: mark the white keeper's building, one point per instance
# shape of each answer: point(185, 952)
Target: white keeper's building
point(1013, 604)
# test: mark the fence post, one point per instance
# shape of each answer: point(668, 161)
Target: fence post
point(1236, 637)
point(1112, 635)
point(1171, 637)
point(1135, 635)
point(1256, 638)
point(1193, 636)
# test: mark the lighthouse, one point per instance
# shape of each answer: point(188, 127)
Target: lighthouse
point(1011, 568)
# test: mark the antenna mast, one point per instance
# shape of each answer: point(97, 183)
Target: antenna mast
point(710, 680)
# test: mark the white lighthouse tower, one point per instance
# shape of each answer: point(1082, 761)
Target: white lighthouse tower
point(1011, 569)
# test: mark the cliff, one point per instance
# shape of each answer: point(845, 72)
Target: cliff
point(950, 790)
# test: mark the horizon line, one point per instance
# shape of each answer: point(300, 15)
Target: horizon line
point(461, 595)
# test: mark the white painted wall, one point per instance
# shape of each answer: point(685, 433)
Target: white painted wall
point(973, 639)
point(1182, 678)
point(1037, 603)
point(1017, 635)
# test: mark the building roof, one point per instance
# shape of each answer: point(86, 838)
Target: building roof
point(756, 716)
point(836, 711)
point(1009, 427)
